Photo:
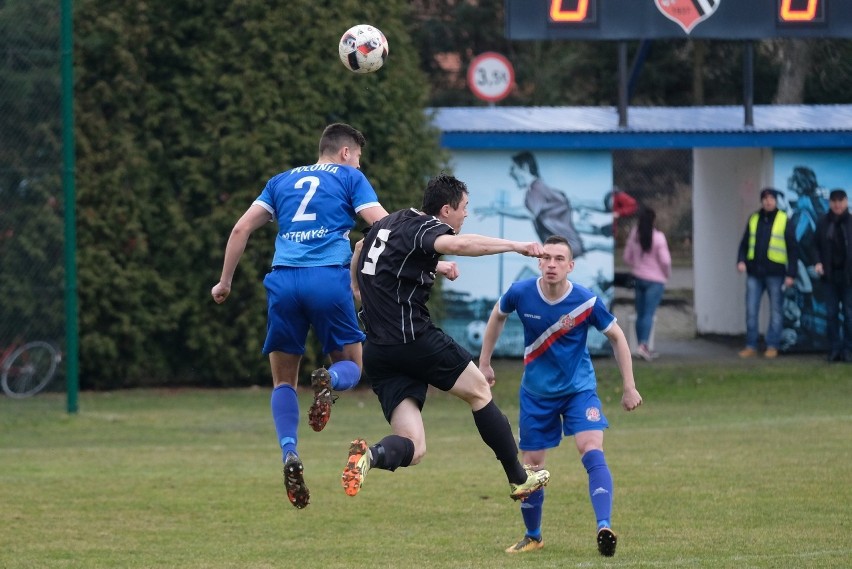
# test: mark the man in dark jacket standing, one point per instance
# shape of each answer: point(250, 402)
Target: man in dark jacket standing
point(834, 264)
point(768, 254)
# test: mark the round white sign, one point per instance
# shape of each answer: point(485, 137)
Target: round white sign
point(490, 76)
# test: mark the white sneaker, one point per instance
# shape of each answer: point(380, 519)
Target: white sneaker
point(646, 354)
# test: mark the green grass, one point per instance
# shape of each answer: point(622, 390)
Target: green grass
point(727, 464)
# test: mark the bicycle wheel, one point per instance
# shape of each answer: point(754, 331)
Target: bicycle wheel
point(29, 369)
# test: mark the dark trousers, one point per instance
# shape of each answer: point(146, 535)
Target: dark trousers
point(838, 306)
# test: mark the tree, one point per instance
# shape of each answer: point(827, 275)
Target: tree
point(184, 110)
point(31, 247)
point(677, 72)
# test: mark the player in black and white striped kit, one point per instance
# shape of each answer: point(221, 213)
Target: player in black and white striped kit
point(394, 268)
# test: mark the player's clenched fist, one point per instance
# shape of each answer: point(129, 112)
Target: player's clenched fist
point(631, 399)
point(532, 250)
point(220, 292)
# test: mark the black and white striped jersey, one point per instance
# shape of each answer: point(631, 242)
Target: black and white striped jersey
point(396, 271)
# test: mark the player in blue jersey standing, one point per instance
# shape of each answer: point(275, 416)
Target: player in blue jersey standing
point(315, 207)
point(558, 394)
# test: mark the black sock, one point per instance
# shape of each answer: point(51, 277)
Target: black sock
point(496, 432)
point(392, 452)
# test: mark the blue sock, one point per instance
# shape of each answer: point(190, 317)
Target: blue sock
point(285, 414)
point(345, 375)
point(531, 511)
point(600, 485)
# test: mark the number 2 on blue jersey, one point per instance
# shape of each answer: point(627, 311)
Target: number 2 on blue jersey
point(313, 184)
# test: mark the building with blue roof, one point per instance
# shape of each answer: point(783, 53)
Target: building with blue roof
point(734, 156)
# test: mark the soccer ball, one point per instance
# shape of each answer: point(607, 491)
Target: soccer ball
point(363, 49)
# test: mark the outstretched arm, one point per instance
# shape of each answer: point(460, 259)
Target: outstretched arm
point(254, 217)
point(472, 245)
point(630, 399)
point(496, 323)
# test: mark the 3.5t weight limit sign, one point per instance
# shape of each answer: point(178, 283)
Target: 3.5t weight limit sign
point(491, 76)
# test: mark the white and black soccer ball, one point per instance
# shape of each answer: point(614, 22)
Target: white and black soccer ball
point(363, 48)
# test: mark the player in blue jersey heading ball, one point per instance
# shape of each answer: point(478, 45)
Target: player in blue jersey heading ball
point(558, 394)
point(315, 207)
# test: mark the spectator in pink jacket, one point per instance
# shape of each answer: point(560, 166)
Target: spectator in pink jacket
point(646, 252)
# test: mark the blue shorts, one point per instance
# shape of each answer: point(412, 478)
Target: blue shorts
point(301, 297)
point(544, 421)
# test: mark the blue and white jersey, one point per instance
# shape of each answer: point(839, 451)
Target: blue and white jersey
point(556, 359)
point(315, 207)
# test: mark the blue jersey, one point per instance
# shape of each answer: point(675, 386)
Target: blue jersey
point(315, 207)
point(556, 359)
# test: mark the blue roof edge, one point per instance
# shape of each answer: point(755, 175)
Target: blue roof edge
point(777, 126)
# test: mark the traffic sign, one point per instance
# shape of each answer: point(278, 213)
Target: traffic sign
point(491, 76)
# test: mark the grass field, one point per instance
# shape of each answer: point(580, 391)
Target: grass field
point(727, 464)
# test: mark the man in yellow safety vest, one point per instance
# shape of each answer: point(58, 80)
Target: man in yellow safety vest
point(768, 255)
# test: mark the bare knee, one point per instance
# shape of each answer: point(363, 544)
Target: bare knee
point(285, 368)
point(481, 395)
point(351, 352)
point(419, 453)
point(589, 441)
point(473, 388)
point(419, 443)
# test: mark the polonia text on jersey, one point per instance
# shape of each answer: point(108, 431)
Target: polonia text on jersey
point(331, 168)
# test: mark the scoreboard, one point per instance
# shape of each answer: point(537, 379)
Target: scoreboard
point(658, 19)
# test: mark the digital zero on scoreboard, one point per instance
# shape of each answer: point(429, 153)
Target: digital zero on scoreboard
point(491, 76)
point(801, 11)
point(657, 19)
point(577, 12)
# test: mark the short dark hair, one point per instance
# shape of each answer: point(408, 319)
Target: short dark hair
point(837, 194)
point(443, 190)
point(769, 192)
point(559, 240)
point(337, 135)
point(526, 160)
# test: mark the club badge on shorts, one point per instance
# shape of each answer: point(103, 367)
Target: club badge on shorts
point(593, 414)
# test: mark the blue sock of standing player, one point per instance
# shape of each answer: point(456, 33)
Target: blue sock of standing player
point(600, 486)
point(285, 414)
point(345, 375)
point(531, 511)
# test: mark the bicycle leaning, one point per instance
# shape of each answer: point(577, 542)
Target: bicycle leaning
point(26, 369)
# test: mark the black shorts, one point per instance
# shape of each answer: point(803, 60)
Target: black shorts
point(401, 371)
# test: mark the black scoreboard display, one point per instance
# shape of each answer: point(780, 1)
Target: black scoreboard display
point(657, 19)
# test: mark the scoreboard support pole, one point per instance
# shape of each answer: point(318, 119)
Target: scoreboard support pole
point(622, 84)
point(748, 82)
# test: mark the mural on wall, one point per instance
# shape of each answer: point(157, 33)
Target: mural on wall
point(805, 179)
point(527, 196)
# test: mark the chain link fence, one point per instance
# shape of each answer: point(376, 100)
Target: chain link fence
point(31, 200)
